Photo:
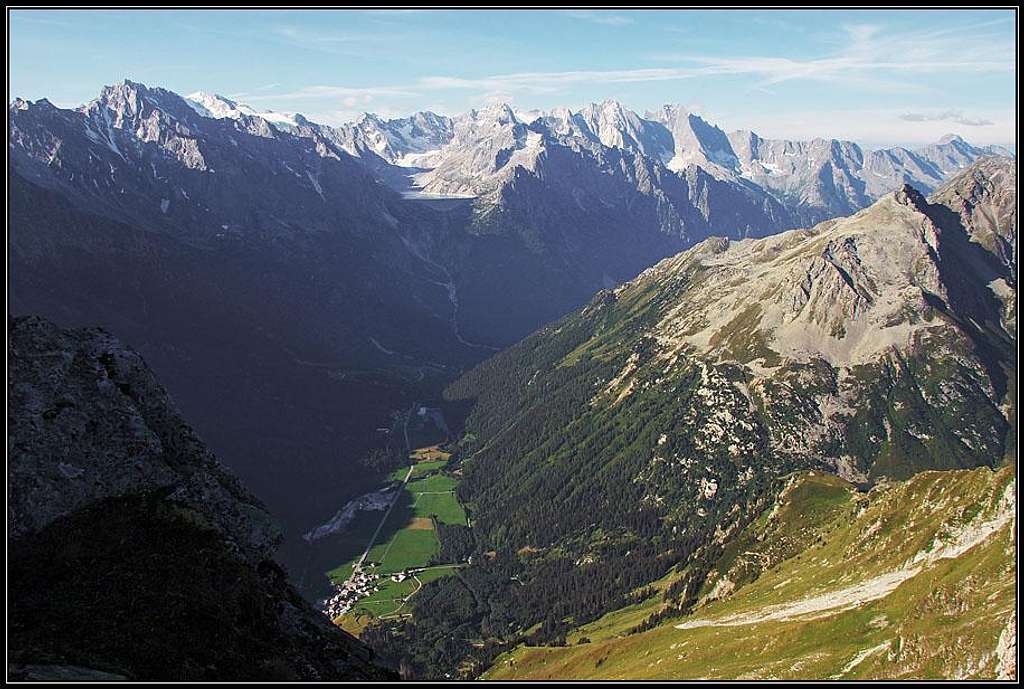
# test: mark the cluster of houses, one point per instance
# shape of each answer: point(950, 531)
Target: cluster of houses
point(363, 582)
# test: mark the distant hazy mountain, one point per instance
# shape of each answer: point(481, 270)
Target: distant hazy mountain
point(813, 179)
point(475, 153)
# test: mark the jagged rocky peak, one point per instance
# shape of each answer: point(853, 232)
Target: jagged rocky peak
point(668, 112)
point(910, 196)
point(611, 112)
point(129, 100)
point(219, 107)
point(496, 113)
point(213, 105)
point(392, 139)
point(697, 142)
point(608, 115)
point(431, 121)
point(148, 114)
point(984, 198)
point(849, 289)
point(125, 95)
point(616, 126)
point(680, 118)
point(990, 179)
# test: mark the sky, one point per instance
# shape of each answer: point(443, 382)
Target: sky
point(877, 77)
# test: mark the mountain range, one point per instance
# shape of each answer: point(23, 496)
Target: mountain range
point(474, 154)
point(250, 256)
point(642, 331)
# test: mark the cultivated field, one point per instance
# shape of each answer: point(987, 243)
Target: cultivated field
point(407, 541)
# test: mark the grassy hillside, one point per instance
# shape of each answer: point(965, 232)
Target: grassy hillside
point(914, 579)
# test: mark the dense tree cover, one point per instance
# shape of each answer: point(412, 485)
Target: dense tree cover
point(383, 460)
point(456, 540)
point(573, 513)
point(593, 464)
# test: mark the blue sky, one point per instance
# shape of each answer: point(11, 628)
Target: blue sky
point(879, 77)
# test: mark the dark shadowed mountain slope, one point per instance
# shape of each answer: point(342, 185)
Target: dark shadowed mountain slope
point(288, 323)
point(290, 301)
point(132, 552)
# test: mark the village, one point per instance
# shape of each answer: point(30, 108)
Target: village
point(363, 582)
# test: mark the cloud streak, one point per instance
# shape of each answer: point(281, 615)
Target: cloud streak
point(545, 82)
point(337, 92)
point(599, 17)
point(868, 56)
point(956, 116)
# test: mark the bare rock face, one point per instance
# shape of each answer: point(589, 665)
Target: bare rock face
point(984, 197)
point(133, 553)
point(89, 421)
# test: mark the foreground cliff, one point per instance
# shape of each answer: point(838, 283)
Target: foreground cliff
point(132, 553)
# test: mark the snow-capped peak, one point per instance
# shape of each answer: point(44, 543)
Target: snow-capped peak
point(528, 116)
point(500, 113)
point(218, 107)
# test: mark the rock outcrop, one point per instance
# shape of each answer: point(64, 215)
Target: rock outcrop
point(132, 552)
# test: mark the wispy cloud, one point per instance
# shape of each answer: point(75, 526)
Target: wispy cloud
point(337, 92)
point(599, 17)
point(253, 91)
point(306, 36)
point(21, 16)
point(298, 37)
point(867, 55)
point(331, 42)
point(956, 116)
point(545, 82)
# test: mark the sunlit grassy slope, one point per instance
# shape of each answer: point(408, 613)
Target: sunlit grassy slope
point(915, 579)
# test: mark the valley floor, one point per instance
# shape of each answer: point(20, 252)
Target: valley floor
point(399, 556)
